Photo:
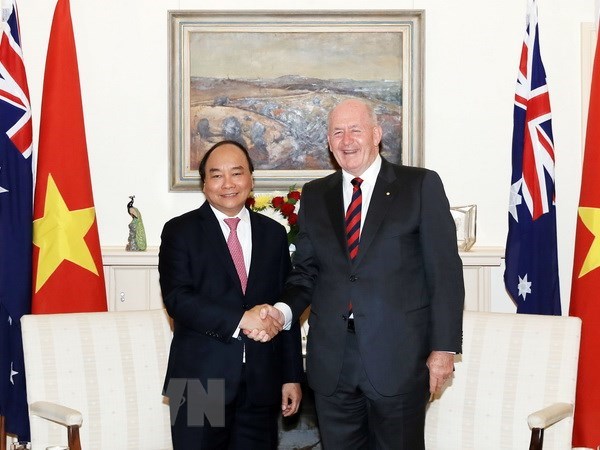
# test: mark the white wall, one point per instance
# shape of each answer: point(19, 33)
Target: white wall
point(472, 52)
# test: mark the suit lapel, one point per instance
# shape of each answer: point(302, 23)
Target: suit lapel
point(210, 228)
point(334, 199)
point(258, 243)
point(385, 190)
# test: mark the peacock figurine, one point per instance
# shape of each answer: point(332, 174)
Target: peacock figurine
point(137, 235)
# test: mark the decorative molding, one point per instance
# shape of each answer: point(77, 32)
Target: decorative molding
point(118, 256)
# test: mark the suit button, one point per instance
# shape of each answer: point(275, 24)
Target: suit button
point(245, 306)
point(353, 278)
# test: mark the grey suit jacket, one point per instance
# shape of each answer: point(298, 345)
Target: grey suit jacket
point(405, 285)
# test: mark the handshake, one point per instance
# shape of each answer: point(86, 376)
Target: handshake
point(262, 323)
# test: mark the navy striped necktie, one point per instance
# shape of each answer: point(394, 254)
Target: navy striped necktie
point(353, 218)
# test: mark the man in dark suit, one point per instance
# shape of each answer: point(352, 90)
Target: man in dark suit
point(376, 259)
point(216, 263)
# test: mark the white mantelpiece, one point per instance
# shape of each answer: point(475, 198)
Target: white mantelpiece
point(132, 277)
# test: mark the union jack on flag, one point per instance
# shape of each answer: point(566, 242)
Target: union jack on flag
point(531, 275)
point(16, 193)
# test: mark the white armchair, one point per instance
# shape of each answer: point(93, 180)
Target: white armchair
point(100, 375)
point(514, 385)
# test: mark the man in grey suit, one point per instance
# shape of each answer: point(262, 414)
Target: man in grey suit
point(376, 259)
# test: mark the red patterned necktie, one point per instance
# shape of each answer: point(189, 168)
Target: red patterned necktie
point(235, 248)
point(353, 223)
point(353, 218)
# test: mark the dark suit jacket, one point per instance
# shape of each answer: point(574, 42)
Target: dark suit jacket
point(405, 285)
point(202, 293)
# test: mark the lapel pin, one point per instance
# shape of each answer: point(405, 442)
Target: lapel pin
point(387, 193)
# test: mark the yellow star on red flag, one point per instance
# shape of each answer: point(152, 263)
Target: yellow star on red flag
point(60, 234)
point(591, 219)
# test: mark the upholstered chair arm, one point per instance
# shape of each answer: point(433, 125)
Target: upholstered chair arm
point(70, 418)
point(549, 415)
point(542, 419)
point(57, 413)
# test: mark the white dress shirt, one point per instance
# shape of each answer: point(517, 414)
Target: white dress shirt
point(369, 178)
point(244, 232)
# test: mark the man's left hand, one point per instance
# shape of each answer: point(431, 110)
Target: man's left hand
point(441, 367)
point(291, 394)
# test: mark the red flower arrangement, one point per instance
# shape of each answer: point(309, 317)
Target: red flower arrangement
point(281, 208)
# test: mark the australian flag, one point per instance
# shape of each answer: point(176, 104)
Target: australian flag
point(16, 186)
point(531, 275)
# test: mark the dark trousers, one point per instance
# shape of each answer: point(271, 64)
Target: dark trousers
point(357, 417)
point(247, 427)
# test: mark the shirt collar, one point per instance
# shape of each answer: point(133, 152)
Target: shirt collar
point(244, 214)
point(369, 175)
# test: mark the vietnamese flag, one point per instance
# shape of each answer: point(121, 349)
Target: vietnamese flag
point(586, 278)
point(67, 263)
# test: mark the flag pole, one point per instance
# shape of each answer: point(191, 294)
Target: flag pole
point(2, 434)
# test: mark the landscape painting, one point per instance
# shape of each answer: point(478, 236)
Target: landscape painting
point(272, 91)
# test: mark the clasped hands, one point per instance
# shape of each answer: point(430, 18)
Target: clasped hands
point(262, 323)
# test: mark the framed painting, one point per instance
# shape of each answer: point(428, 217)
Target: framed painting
point(268, 79)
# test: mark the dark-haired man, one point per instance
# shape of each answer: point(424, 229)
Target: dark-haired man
point(216, 264)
